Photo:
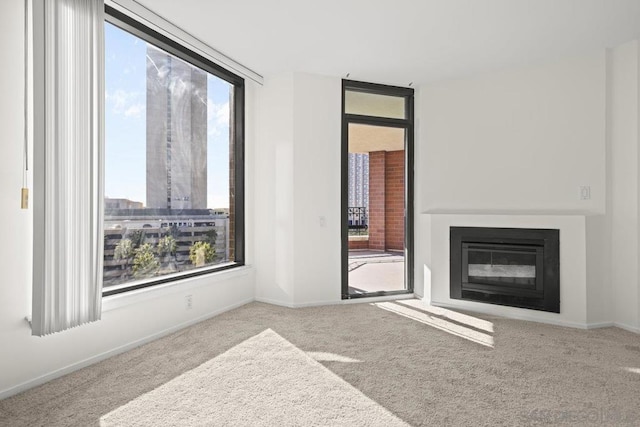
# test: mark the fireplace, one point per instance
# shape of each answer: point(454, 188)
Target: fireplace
point(518, 267)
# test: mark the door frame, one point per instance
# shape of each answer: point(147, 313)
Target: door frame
point(408, 125)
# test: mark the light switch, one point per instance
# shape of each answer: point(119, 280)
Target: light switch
point(24, 200)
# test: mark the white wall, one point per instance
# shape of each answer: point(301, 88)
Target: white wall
point(515, 141)
point(557, 119)
point(511, 149)
point(26, 360)
point(599, 285)
point(317, 160)
point(298, 190)
point(578, 120)
point(274, 183)
point(624, 139)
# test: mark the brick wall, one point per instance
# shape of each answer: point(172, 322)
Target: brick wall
point(358, 244)
point(386, 200)
point(377, 182)
point(394, 200)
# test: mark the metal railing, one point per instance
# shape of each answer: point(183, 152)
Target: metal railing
point(358, 220)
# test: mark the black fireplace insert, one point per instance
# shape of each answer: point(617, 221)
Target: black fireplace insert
point(518, 267)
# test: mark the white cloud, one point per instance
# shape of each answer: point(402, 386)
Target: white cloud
point(121, 102)
point(217, 117)
point(134, 110)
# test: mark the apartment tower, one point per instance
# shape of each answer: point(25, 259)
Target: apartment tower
point(176, 133)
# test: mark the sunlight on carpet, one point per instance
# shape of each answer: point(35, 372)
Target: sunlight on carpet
point(465, 319)
point(633, 370)
point(264, 380)
point(322, 356)
point(460, 325)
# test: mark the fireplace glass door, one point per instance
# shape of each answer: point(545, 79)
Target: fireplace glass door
point(501, 266)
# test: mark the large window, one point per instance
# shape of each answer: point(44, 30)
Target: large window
point(173, 160)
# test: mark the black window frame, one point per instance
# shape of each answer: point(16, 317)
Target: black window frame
point(132, 26)
point(407, 123)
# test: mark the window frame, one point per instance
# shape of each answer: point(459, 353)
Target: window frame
point(408, 124)
point(138, 29)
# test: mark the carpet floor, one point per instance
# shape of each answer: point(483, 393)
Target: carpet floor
point(385, 364)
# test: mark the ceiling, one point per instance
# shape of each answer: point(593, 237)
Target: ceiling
point(365, 138)
point(401, 41)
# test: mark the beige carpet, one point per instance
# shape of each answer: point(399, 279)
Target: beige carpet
point(394, 361)
point(263, 381)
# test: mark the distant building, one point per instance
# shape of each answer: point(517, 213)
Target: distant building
point(110, 204)
point(136, 218)
point(220, 212)
point(176, 133)
point(358, 180)
point(186, 226)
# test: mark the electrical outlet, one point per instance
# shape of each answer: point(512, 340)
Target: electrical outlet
point(585, 192)
point(188, 302)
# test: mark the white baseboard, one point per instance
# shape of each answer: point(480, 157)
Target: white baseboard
point(378, 299)
point(335, 302)
point(274, 302)
point(316, 303)
point(523, 316)
point(557, 322)
point(597, 325)
point(102, 356)
point(627, 327)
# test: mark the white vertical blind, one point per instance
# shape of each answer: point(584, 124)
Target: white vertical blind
point(68, 163)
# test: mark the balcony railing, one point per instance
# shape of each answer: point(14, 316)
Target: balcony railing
point(358, 220)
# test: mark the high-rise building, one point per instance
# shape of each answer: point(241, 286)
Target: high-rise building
point(176, 133)
point(359, 180)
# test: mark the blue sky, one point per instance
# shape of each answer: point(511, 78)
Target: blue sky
point(125, 123)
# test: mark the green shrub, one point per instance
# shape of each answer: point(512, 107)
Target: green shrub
point(201, 253)
point(123, 250)
point(137, 238)
point(166, 246)
point(145, 262)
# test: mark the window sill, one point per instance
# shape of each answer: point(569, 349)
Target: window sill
point(124, 299)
